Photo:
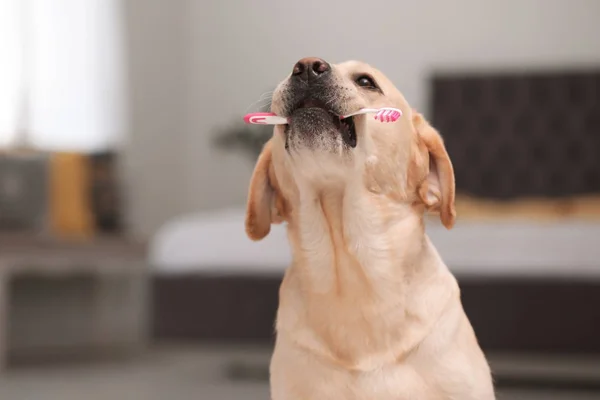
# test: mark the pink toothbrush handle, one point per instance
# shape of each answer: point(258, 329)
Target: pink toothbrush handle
point(264, 119)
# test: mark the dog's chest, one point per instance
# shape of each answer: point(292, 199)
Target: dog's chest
point(400, 382)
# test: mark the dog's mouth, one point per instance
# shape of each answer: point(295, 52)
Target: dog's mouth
point(348, 131)
point(345, 126)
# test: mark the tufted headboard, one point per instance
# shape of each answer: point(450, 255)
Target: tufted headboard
point(522, 135)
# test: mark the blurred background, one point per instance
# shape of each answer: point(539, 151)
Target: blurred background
point(125, 272)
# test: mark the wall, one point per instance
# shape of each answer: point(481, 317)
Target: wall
point(196, 65)
point(158, 47)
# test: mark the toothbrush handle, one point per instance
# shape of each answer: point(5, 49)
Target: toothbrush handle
point(362, 111)
point(264, 119)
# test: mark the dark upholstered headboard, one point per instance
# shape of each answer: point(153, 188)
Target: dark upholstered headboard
point(521, 135)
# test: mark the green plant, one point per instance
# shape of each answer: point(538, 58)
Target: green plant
point(247, 139)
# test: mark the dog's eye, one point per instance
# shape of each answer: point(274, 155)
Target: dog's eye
point(366, 82)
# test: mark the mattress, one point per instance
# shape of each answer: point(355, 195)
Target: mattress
point(215, 243)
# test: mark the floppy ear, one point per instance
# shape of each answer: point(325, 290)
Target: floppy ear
point(264, 203)
point(437, 191)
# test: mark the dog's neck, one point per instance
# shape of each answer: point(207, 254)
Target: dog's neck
point(348, 239)
point(360, 264)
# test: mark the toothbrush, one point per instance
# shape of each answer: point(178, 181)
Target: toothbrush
point(384, 114)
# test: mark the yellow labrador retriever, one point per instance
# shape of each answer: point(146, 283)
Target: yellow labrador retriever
point(367, 310)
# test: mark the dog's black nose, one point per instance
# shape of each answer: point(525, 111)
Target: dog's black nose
point(310, 68)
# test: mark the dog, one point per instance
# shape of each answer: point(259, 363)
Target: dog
point(367, 309)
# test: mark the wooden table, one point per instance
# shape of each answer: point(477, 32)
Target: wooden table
point(116, 317)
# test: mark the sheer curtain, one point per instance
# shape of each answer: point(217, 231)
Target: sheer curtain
point(62, 74)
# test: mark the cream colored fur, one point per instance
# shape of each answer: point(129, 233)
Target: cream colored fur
point(368, 309)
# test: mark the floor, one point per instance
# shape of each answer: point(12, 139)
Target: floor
point(200, 373)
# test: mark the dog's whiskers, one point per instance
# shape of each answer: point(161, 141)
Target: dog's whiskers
point(264, 100)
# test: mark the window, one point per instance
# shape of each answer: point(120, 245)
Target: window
point(62, 74)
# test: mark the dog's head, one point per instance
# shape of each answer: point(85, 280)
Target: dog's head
point(404, 162)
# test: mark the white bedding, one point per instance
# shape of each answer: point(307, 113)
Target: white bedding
point(217, 244)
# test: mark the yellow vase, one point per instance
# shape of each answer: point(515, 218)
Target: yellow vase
point(70, 200)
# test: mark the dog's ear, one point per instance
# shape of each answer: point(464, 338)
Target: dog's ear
point(437, 191)
point(265, 205)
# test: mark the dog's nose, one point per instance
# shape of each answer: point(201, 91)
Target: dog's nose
point(310, 68)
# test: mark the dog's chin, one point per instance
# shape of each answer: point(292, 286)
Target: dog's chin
point(315, 128)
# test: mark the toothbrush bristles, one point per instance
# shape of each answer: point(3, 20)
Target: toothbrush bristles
point(387, 115)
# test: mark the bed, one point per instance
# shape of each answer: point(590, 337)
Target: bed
point(525, 249)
